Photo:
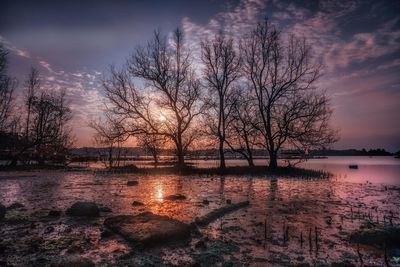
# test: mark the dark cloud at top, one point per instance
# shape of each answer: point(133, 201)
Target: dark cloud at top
point(73, 42)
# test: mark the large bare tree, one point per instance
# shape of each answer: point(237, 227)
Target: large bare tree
point(221, 69)
point(283, 77)
point(171, 105)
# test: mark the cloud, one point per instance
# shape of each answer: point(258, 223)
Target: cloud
point(10, 46)
point(234, 22)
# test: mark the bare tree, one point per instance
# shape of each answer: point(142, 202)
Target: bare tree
point(153, 144)
point(242, 136)
point(172, 105)
point(111, 134)
point(222, 66)
point(282, 75)
point(47, 136)
point(32, 85)
point(7, 87)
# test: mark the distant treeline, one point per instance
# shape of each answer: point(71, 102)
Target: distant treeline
point(354, 152)
point(136, 153)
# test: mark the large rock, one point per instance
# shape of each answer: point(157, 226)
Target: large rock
point(2, 211)
point(76, 262)
point(377, 237)
point(148, 229)
point(176, 197)
point(132, 183)
point(83, 208)
point(15, 205)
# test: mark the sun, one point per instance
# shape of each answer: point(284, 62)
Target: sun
point(162, 118)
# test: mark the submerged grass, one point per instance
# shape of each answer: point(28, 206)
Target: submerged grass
point(293, 172)
point(188, 169)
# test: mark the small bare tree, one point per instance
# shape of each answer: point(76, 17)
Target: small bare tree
point(32, 85)
point(172, 105)
point(111, 134)
point(221, 69)
point(153, 144)
point(242, 136)
point(282, 75)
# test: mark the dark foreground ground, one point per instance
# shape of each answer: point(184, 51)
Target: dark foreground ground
point(156, 219)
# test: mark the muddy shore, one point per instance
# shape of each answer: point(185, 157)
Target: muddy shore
point(288, 222)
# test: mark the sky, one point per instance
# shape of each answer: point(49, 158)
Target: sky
point(72, 43)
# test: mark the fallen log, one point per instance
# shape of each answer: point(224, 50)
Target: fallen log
point(217, 213)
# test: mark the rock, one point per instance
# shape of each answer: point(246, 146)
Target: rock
point(137, 203)
point(342, 264)
point(217, 213)
point(206, 202)
point(132, 183)
point(377, 237)
point(2, 211)
point(106, 233)
point(54, 213)
point(200, 245)
point(176, 197)
point(83, 208)
point(76, 262)
point(15, 205)
point(105, 209)
point(148, 229)
point(228, 201)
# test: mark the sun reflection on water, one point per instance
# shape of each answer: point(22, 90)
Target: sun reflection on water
point(159, 192)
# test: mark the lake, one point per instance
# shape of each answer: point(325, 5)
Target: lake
point(269, 232)
point(383, 170)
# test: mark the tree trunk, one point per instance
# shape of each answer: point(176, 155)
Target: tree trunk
point(250, 161)
point(181, 158)
point(221, 155)
point(273, 160)
point(155, 158)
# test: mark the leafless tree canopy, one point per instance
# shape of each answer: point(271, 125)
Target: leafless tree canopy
point(7, 87)
point(276, 103)
point(221, 70)
point(242, 136)
point(283, 75)
point(109, 133)
point(46, 134)
point(172, 105)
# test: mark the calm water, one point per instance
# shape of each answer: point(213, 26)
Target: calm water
point(381, 170)
point(336, 206)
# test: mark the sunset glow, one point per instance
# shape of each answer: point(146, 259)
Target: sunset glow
point(358, 42)
point(200, 133)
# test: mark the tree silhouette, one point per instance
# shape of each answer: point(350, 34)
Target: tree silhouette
point(282, 75)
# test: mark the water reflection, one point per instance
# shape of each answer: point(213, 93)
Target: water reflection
point(273, 189)
point(299, 204)
point(158, 190)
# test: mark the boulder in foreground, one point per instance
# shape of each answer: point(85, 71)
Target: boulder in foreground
point(132, 183)
point(377, 237)
point(84, 209)
point(76, 262)
point(176, 197)
point(147, 229)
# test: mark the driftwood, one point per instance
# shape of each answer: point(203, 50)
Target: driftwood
point(217, 213)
